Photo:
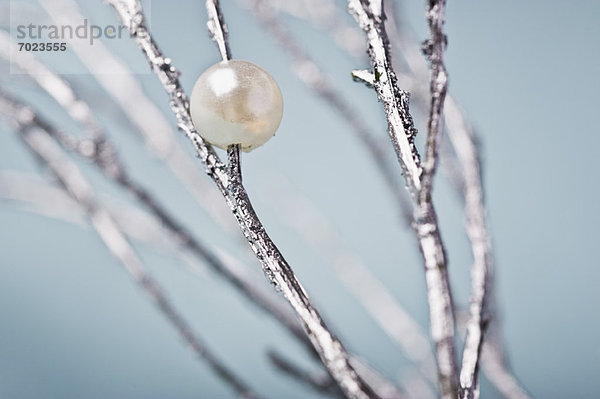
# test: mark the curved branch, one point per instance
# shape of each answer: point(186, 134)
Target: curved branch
point(277, 270)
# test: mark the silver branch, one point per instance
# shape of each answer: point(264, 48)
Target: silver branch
point(370, 17)
point(462, 138)
point(228, 180)
point(466, 173)
point(464, 145)
point(217, 28)
point(395, 101)
point(434, 49)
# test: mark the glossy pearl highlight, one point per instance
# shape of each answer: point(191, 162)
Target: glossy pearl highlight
point(236, 102)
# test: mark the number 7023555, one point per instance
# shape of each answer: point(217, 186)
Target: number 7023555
point(42, 46)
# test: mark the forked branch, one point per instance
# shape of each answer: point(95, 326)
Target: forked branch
point(464, 142)
point(228, 180)
point(369, 15)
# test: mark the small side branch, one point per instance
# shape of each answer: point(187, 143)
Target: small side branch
point(395, 101)
point(217, 28)
point(319, 382)
point(364, 76)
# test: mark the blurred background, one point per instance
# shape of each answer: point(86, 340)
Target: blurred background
point(73, 324)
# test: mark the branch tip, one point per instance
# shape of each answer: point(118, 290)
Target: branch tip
point(363, 75)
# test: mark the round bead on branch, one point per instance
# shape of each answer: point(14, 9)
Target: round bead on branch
point(236, 102)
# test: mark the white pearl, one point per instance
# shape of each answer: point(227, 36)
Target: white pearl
point(236, 102)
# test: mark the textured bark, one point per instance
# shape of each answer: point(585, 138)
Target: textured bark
point(371, 18)
point(229, 182)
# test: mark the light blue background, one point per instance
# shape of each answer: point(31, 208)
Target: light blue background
point(74, 325)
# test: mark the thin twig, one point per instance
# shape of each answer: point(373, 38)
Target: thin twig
point(370, 16)
point(277, 270)
point(481, 270)
point(488, 353)
point(464, 143)
point(217, 28)
point(434, 48)
point(383, 388)
point(319, 382)
point(69, 176)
